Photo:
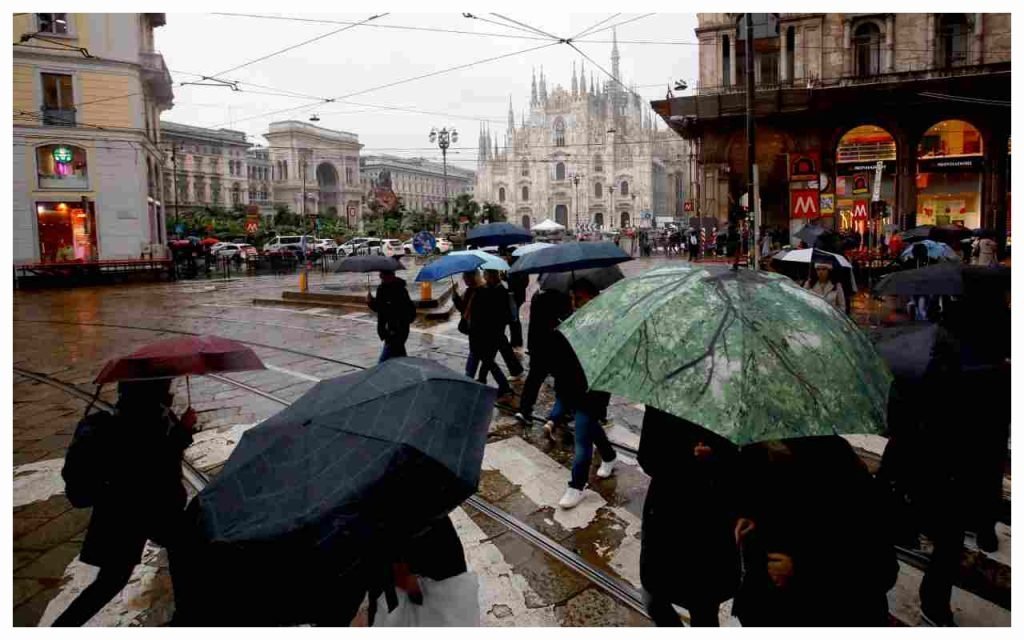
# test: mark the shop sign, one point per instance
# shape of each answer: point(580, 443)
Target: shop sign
point(937, 165)
point(62, 155)
point(851, 168)
point(251, 227)
point(828, 203)
point(688, 206)
point(860, 209)
point(804, 166)
point(860, 183)
point(877, 186)
point(803, 203)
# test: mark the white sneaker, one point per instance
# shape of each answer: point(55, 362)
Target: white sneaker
point(607, 469)
point(571, 498)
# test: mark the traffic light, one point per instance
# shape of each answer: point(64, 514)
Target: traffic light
point(878, 210)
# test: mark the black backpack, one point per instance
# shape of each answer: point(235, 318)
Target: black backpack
point(87, 462)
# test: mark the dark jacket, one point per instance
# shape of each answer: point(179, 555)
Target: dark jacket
point(817, 503)
point(547, 310)
point(462, 303)
point(395, 311)
point(144, 496)
point(489, 313)
point(518, 283)
point(688, 553)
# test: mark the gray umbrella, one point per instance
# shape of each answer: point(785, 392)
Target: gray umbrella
point(366, 264)
point(601, 277)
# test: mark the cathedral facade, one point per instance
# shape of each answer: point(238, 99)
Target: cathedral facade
point(588, 157)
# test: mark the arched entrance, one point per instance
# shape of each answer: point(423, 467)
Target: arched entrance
point(526, 222)
point(327, 184)
point(857, 156)
point(562, 215)
point(949, 169)
point(599, 219)
point(624, 220)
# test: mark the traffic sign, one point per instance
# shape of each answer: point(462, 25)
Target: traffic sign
point(252, 227)
point(688, 206)
point(423, 243)
point(860, 209)
point(803, 203)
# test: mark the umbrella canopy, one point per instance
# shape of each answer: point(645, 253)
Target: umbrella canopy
point(449, 265)
point(922, 232)
point(936, 251)
point(818, 237)
point(210, 241)
point(490, 261)
point(951, 234)
point(943, 279)
point(530, 248)
point(571, 256)
point(366, 264)
point(548, 225)
point(379, 452)
point(187, 355)
point(748, 355)
point(797, 263)
point(602, 278)
point(499, 234)
point(907, 350)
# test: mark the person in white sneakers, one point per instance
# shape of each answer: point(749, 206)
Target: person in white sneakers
point(591, 406)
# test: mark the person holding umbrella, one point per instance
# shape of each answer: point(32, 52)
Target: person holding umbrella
point(140, 496)
point(824, 287)
point(395, 313)
point(548, 308)
point(489, 314)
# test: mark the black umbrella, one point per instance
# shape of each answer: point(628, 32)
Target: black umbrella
point(387, 449)
point(500, 234)
point(366, 264)
point(571, 256)
point(908, 349)
point(922, 232)
point(602, 278)
point(951, 234)
point(946, 278)
point(819, 237)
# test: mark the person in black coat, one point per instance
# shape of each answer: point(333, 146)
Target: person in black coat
point(688, 554)
point(548, 308)
point(489, 314)
point(395, 313)
point(143, 496)
point(518, 283)
point(816, 547)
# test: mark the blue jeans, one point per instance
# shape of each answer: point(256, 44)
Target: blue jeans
point(472, 363)
point(392, 350)
point(588, 434)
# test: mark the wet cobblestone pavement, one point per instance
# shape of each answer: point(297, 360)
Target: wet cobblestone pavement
point(69, 334)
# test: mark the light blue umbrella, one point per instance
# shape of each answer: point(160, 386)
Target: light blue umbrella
point(530, 248)
point(936, 251)
point(447, 266)
point(493, 263)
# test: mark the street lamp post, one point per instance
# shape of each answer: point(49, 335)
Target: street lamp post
point(611, 201)
point(444, 138)
point(632, 216)
point(576, 183)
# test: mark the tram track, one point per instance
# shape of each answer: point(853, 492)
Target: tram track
point(910, 557)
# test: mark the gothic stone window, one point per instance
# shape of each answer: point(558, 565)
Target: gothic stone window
point(598, 165)
point(525, 172)
point(624, 189)
point(598, 190)
point(501, 194)
point(559, 132)
point(526, 194)
point(560, 171)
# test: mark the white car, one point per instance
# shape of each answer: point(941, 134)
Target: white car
point(351, 247)
point(391, 247)
point(292, 243)
point(327, 245)
point(444, 245)
point(231, 249)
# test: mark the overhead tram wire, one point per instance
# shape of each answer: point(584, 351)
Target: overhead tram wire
point(504, 25)
point(526, 26)
point(594, 26)
point(619, 24)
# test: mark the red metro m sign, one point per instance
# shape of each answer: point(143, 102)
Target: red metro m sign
point(803, 203)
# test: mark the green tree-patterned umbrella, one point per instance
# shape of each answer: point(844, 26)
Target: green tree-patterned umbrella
point(748, 355)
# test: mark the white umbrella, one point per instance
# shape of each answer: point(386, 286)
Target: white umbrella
point(807, 256)
point(530, 248)
point(548, 225)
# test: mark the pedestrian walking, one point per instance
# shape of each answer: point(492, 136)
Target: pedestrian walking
point(825, 287)
point(688, 553)
point(518, 283)
point(127, 467)
point(489, 314)
point(463, 302)
point(987, 252)
point(548, 308)
point(395, 313)
point(492, 280)
point(814, 536)
point(590, 406)
point(766, 242)
point(693, 244)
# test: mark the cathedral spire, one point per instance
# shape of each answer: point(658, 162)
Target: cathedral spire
point(533, 89)
point(583, 79)
point(543, 87)
point(615, 55)
point(511, 116)
point(575, 85)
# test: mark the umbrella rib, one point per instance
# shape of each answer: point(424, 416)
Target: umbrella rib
point(709, 349)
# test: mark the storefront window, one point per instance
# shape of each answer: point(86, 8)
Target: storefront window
point(857, 158)
point(67, 231)
point(62, 166)
point(949, 170)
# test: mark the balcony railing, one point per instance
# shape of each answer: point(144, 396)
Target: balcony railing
point(58, 117)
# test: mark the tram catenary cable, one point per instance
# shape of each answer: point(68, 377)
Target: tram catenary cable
point(594, 26)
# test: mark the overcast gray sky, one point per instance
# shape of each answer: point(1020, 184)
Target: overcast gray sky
point(365, 57)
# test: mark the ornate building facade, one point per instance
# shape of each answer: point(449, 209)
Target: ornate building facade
point(587, 156)
point(417, 181)
point(207, 167)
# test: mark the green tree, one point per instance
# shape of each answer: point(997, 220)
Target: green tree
point(464, 206)
point(493, 212)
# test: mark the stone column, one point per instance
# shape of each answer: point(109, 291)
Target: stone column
point(890, 27)
point(929, 40)
point(906, 176)
point(732, 60)
point(994, 184)
point(783, 56)
point(847, 49)
point(977, 54)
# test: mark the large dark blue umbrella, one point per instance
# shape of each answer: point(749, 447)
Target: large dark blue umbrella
point(946, 279)
point(447, 266)
point(571, 256)
point(366, 264)
point(907, 350)
point(601, 278)
point(498, 234)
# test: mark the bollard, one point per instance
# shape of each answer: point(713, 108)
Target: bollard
point(426, 291)
point(303, 281)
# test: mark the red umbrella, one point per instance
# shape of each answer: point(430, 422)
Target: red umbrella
point(210, 241)
point(188, 355)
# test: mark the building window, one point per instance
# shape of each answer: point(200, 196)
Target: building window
point(624, 188)
point(560, 171)
point(953, 30)
point(61, 166)
point(67, 231)
point(949, 175)
point(726, 62)
point(236, 194)
point(56, 23)
point(790, 53)
point(867, 47)
point(526, 194)
point(598, 191)
point(559, 132)
point(525, 171)
point(58, 100)
point(501, 194)
point(598, 166)
point(348, 175)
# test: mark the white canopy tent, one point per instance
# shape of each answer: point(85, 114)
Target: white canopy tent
point(547, 226)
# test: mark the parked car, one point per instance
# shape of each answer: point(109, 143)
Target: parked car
point(231, 249)
point(327, 245)
point(293, 243)
point(351, 247)
point(408, 248)
point(372, 246)
point(444, 245)
point(391, 247)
